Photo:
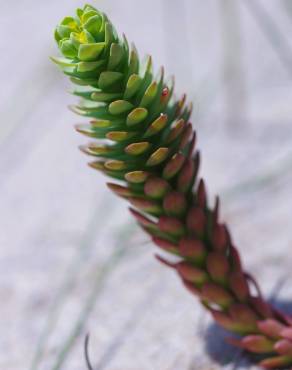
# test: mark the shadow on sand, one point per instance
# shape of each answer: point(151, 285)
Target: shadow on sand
point(225, 354)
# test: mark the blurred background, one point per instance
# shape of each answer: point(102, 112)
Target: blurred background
point(72, 260)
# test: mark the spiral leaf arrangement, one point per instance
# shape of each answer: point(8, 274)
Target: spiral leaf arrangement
point(145, 141)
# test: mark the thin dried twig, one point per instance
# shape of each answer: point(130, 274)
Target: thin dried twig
point(86, 352)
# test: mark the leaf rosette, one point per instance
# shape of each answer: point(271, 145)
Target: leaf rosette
point(84, 41)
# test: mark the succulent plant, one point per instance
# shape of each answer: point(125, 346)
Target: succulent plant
point(146, 142)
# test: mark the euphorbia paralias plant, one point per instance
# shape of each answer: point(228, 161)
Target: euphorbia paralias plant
point(145, 142)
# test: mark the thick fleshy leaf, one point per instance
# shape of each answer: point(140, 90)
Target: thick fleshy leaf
point(97, 165)
point(174, 204)
point(68, 49)
point(276, 362)
point(157, 157)
point(156, 187)
point(115, 165)
point(149, 95)
point(218, 266)
point(122, 191)
point(63, 31)
point(192, 288)
point(134, 62)
point(156, 126)
point(284, 347)
point(90, 52)
point(214, 293)
point(133, 85)
point(143, 220)
point(165, 244)
point(186, 176)
point(287, 333)
point(84, 81)
point(86, 130)
point(120, 136)
point(180, 104)
point(136, 116)
point(261, 307)
point(137, 177)
point(101, 123)
point(63, 62)
point(137, 148)
point(93, 24)
point(219, 237)
point(185, 137)
point(196, 220)
point(271, 328)
point(101, 96)
point(171, 225)
point(257, 344)
point(176, 130)
point(192, 248)
point(224, 320)
point(119, 107)
point(239, 285)
point(244, 315)
point(173, 166)
point(89, 66)
point(108, 34)
point(191, 273)
point(109, 78)
point(116, 56)
point(146, 205)
point(202, 194)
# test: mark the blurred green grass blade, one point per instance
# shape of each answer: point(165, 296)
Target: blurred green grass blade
point(122, 249)
point(70, 276)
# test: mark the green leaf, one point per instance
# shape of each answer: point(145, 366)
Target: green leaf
point(108, 78)
point(93, 25)
point(157, 157)
point(104, 97)
point(115, 57)
point(136, 177)
point(109, 36)
point(67, 48)
point(63, 31)
point(89, 13)
point(149, 95)
point(119, 107)
point(79, 12)
point(134, 61)
point(69, 21)
point(137, 148)
point(89, 66)
point(57, 36)
point(120, 135)
point(87, 130)
point(84, 81)
point(133, 84)
point(115, 165)
point(63, 62)
point(156, 126)
point(136, 116)
point(90, 52)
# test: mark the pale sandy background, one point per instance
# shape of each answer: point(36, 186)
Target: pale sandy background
point(72, 260)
